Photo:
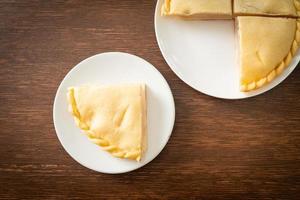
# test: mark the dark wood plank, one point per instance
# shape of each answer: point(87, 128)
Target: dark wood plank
point(246, 149)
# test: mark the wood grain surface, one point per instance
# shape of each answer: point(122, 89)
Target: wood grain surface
point(219, 149)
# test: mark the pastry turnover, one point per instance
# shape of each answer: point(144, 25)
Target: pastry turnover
point(113, 117)
point(266, 7)
point(266, 47)
point(198, 9)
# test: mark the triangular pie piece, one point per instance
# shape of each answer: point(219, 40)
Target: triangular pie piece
point(198, 9)
point(266, 47)
point(113, 117)
point(285, 8)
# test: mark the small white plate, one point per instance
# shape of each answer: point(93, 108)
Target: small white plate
point(203, 55)
point(114, 68)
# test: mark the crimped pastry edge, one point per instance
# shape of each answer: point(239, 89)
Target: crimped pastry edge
point(280, 68)
point(104, 144)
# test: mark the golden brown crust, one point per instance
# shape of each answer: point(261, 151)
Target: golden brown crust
point(266, 8)
point(104, 144)
point(195, 9)
point(279, 69)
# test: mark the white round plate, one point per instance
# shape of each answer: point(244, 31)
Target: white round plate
point(115, 68)
point(203, 55)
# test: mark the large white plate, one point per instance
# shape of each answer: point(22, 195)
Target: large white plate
point(114, 68)
point(203, 55)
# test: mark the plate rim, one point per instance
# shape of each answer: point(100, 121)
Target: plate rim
point(172, 114)
point(186, 81)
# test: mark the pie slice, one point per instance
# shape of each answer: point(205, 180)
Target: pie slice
point(266, 47)
point(198, 9)
point(287, 8)
point(113, 117)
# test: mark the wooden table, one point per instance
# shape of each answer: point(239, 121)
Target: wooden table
point(219, 149)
